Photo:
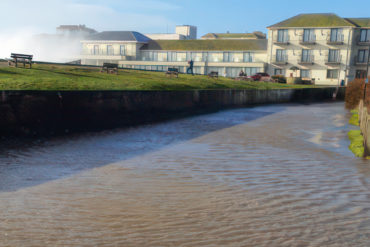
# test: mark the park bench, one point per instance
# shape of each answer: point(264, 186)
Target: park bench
point(173, 72)
point(21, 58)
point(110, 68)
point(213, 74)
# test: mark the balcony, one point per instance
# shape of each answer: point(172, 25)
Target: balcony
point(363, 42)
point(335, 40)
point(360, 61)
point(282, 41)
point(306, 60)
point(280, 60)
point(333, 61)
point(307, 40)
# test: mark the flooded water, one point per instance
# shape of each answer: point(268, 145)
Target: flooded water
point(265, 176)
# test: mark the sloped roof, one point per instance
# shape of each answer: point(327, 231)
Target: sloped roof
point(314, 20)
point(360, 22)
point(119, 36)
point(208, 45)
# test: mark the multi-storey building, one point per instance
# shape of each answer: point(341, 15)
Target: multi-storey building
point(134, 50)
point(324, 48)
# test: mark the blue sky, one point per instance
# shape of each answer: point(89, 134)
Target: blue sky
point(152, 16)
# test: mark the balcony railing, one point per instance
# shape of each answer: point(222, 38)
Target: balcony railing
point(335, 40)
point(364, 42)
point(307, 40)
point(280, 60)
point(336, 60)
point(360, 61)
point(306, 60)
point(282, 40)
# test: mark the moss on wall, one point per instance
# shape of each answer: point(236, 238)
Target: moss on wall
point(355, 118)
point(357, 143)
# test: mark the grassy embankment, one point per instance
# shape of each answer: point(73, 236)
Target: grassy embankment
point(355, 136)
point(354, 93)
point(58, 77)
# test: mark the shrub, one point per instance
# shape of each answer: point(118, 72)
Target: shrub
point(354, 93)
point(279, 78)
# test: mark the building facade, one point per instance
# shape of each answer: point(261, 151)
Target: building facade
point(136, 51)
point(323, 48)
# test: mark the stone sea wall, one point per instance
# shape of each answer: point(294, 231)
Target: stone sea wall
point(33, 113)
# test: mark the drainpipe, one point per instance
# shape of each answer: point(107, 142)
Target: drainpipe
point(271, 47)
point(348, 47)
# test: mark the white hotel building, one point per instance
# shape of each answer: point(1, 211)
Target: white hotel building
point(324, 48)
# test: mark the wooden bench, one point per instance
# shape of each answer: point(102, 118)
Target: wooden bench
point(21, 58)
point(173, 72)
point(213, 74)
point(110, 68)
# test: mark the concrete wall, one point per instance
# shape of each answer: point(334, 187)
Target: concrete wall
point(52, 112)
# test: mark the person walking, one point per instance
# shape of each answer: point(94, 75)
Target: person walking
point(191, 66)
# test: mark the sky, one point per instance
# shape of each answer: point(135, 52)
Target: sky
point(161, 16)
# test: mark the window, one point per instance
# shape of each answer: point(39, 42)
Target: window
point(172, 56)
point(162, 56)
point(332, 74)
point(362, 56)
point(305, 73)
point(122, 50)
point(234, 72)
point(334, 56)
point(96, 50)
point(110, 50)
point(336, 35)
point(228, 57)
point(215, 57)
point(283, 36)
point(365, 35)
point(180, 56)
point(205, 57)
point(306, 55)
point(279, 72)
point(248, 57)
point(309, 35)
point(147, 56)
point(281, 55)
point(251, 70)
point(360, 74)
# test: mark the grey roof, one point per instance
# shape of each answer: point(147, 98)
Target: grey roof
point(119, 36)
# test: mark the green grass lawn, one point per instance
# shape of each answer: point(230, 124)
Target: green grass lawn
point(58, 77)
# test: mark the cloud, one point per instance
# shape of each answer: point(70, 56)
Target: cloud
point(46, 15)
point(43, 16)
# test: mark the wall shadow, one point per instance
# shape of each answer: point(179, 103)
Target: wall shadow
point(29, 162)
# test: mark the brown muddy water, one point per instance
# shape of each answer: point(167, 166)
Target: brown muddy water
point(265, 176)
